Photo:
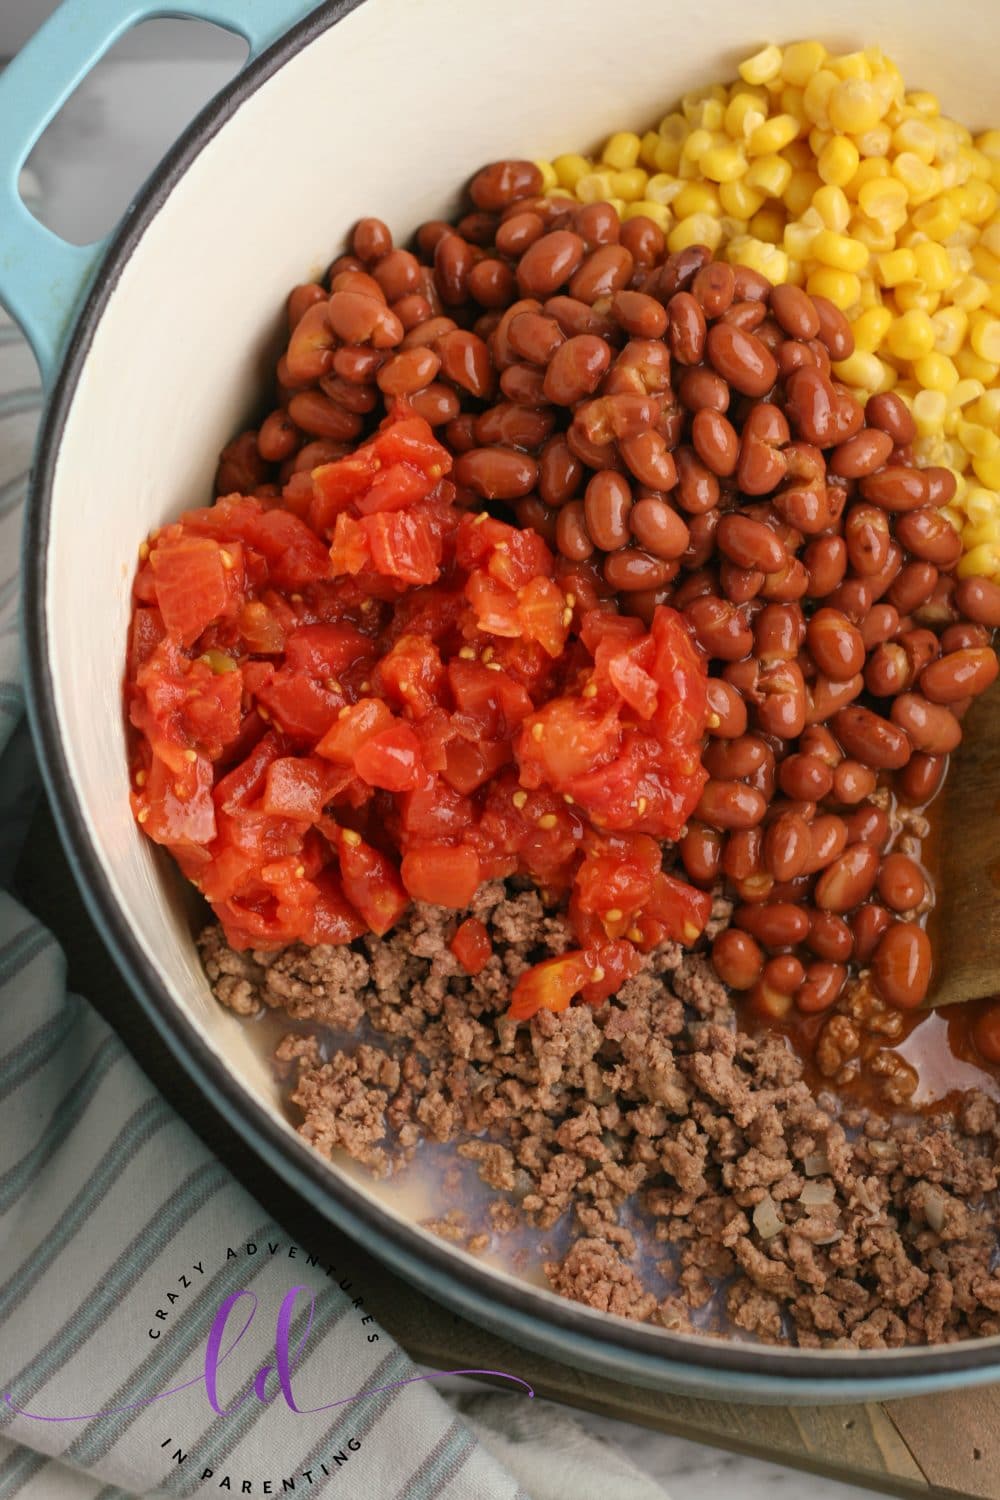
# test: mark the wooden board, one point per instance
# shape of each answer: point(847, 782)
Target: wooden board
point(930, 1446)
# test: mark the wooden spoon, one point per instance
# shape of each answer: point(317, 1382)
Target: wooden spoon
point(966, 924)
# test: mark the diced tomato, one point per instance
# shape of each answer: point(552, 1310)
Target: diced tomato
point(302, 707)
point(402, 546)
point(565, 739)
point(395, 488)
point(495, 605)
point(177, 810)
point(294, 553)
point(471, 946)
point(353, 725)
point(544, 615)
point(350, 552)
point(445, 874)
point(469, 766)
point(298, 786)
point(333, 919)
point(371, 882)
point(212, 709)
point(550, 985)
point(336, 486)
point(681, 909)
point(434, 811)
point(412, 674)
point(411, 440)
point(192, 585)
point(391, 760)
point(146, 633)
point(246, 781)
point(260, 629)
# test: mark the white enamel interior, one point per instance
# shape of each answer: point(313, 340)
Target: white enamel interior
point(384, 113)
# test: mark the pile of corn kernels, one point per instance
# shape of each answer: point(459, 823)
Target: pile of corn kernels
point(828, 173)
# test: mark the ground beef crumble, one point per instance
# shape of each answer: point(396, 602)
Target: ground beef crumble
point(806, 1225)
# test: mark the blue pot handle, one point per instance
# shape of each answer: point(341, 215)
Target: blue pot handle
point(42, 277)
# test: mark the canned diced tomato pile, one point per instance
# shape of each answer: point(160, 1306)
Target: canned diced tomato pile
point(633, 535)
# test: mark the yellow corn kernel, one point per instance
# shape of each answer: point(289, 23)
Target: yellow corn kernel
point(915, 136)
point(937, 218)
point(768, 224)
point(696, 144)
point(878, 240)
point(697, 198)
point(969, 393)
point(863, 372)
point(972, 367)
point(549, 178)
point(984, 336)
point(987, 471)
point(981, 562)
point(883, 197)
point(992, 303)
point(769, 175)
point(979, 505)
point(853, 65)
point(854, 106)
point(762, 67)
point(695, 229)
point(662, 188)
point(950, 324)
point(647, 149)
point(976, 200)
point(910, 335)
point(871, 328)
point(969, 293)
point(622, 150)
point(817, 139)
point(929, 409)
point(987, 407)
point(984, 264)
point(744, 113)
point(643, 208)
point(922, 182)
point(560, 192)
point(758, 255)
point(925, 103)
point(723, 163)
point(913, 296)
point(816, 96)
point(871, 169)
point(594, 187)
point(798, 195)
point(569, 168)
point(774, 135)
point(798, 156)
point(838, 161)
point(801, 60)
point(667, 156)
point(739, 199)
point(833, 208)
point(629, 184)
point(895, 267)
point(935, 372)
point(980, 441)
point(981, 533)
point(839, 251)
point(874, 143)
point(797, 240)
point(842, 288)
point(933, 266)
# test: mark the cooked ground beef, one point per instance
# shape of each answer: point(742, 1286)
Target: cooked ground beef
point(806, 1223)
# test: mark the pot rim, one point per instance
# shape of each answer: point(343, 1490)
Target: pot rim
point(453, 1278)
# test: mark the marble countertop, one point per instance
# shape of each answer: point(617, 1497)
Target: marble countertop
point(88, 164)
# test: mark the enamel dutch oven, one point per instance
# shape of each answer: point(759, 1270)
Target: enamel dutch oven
point(153, 346)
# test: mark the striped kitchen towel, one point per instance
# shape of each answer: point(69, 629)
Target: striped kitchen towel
point(159, 1335)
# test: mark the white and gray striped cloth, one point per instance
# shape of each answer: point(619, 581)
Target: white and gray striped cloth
point(120, 1237)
